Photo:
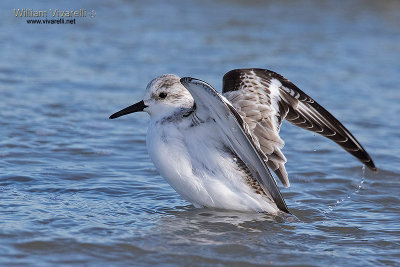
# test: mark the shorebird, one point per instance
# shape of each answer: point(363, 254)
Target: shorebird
point(217, 150)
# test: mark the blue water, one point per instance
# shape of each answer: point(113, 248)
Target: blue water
point(77, 188)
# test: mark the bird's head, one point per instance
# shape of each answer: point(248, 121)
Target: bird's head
point(164, 96)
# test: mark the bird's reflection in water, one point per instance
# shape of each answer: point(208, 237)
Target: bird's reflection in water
point(217, 221)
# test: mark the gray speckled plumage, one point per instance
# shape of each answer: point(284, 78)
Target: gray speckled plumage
point(264, 98)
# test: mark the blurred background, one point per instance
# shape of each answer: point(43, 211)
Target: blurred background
point(77, 188)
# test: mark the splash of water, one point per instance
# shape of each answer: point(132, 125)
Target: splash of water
point(348, 197)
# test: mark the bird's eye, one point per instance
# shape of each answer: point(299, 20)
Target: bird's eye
point(163, 95)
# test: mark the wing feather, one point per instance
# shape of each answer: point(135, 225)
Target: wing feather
point(275, 98)
point(211, 105)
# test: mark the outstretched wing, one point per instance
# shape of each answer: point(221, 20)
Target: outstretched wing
point(264, 98)
point(209, 104)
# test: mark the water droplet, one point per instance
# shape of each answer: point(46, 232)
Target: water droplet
point(234, 160)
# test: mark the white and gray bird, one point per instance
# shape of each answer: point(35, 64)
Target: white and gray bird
point(216, 150)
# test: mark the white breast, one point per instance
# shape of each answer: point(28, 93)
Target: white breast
point(171, 158)
point(192, 161)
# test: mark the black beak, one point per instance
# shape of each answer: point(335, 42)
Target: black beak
point(139, 106)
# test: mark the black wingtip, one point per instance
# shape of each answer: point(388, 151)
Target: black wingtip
point(370, 164)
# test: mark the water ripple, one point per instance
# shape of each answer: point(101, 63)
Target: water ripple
point(77, 188)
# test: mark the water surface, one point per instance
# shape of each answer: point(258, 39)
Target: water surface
point(77, 188)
